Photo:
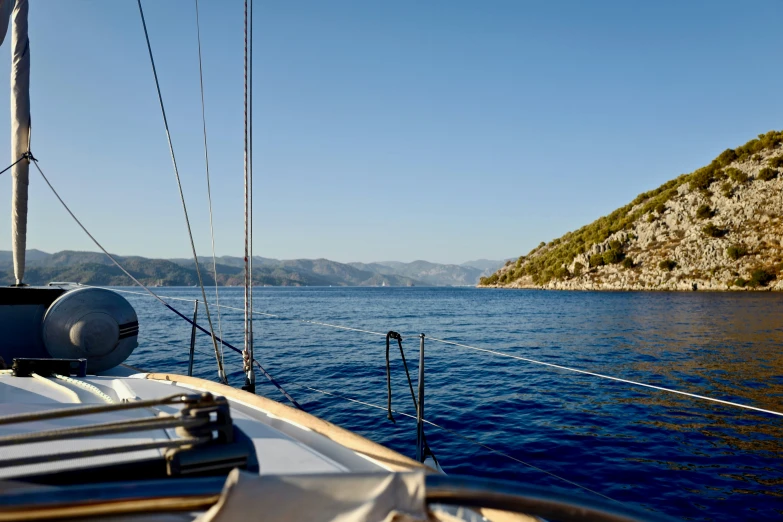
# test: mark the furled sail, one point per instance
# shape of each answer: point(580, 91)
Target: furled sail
point(20, 132)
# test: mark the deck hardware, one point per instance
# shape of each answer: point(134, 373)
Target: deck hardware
point(23, 367)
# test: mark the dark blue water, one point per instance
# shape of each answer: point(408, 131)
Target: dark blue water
point(684, 457)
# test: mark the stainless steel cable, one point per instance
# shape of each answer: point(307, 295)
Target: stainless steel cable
point(209, 187)
point(247, 353)
point(503, 354)
point(221, 372)
point(457, 434)
point(602, 376)
point(250, 188)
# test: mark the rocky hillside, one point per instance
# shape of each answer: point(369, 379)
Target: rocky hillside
point(718, 228)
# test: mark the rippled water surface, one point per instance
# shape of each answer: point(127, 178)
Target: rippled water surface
point(685, 457)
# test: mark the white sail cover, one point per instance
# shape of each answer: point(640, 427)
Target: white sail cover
point(20, 132)
point(336, 497)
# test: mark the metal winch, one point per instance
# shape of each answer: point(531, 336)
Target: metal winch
point(89, 323)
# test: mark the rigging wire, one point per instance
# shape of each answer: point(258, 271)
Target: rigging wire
point(209, 188)
point(247, 354)
point(9, 167)
point(150, 292)
point(250, 186)
point(221, 372)
point(457, 434)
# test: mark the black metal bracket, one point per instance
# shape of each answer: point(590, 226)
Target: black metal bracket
point(23, 367)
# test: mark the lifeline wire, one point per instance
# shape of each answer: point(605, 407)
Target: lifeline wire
point(258, 312)
point(150, 292)
point(209, 188)
point(221, 372)
point(468, 439)
point(618, 379)
point(502, 354)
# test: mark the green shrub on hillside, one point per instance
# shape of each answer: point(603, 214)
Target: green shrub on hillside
point(596, 260)
point(491, 280)
point(660, 208)
point(775, 162)
point(667, 264)
point(704, 212)
point(740, 282)
point(613, 256)
point(562, 273)
point(628, 263)
point(736, 251)
point(737, 175)
point(578, 267)
point(767, 174)
point(705, 176)
point(761, 277)
point(727, 189)
point(711, 230)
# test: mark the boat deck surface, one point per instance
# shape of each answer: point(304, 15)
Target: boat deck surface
point(283, 445)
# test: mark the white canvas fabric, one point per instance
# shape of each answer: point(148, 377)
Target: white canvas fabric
point(363, 497)
point(20, 131)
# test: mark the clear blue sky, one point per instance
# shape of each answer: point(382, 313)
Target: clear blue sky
point(441, 130)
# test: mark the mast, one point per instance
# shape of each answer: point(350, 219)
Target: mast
point(20, 133)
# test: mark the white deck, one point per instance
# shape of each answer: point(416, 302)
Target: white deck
point(282, 447)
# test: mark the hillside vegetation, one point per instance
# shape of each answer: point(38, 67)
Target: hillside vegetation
point(717, 228)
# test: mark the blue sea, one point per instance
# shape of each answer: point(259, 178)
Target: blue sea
point(681, 456)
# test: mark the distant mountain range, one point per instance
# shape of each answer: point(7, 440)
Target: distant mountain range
point(95, 268)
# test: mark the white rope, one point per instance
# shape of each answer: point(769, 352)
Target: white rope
point(85, 386)
point(209, 188)
point(618, 379)
point(59, 387)
point(221, 373)
point(457, 434)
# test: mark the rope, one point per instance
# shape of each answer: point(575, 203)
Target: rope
point(59, 387)
point(150, 292)
point(457, 434)
point(398, 338)
point(618, 379)
point(209, 188)
point(85, 386)
point(221, 373)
